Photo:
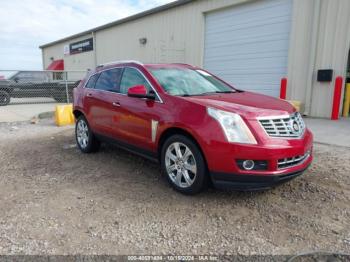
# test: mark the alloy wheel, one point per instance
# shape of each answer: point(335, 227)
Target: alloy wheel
point(82, 133)
point(180, 165)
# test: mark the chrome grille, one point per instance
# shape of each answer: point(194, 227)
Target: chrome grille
point(284, 126)
point(292, 161)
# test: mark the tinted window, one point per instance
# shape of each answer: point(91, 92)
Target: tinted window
point(109, 80)
point(132, 77)
point(92, 81)
point(31, 77)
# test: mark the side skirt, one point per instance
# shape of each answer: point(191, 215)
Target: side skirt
point(152, 156)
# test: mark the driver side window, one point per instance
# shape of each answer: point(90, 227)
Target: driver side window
point(132, 77)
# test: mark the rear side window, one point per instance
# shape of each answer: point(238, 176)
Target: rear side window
point(132, 77)
point(92, 81)
point(109, 80)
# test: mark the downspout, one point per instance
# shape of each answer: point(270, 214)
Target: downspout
point(43, 58)
point(314, 41)
point(95, 47)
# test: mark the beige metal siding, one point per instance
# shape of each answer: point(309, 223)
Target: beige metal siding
point(175, 35)
point(301, 49)
point(319, 39)
point(71, 62)
point(332, 52)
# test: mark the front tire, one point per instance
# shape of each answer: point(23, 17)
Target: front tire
point(4, 98)
point(184, 165)
point(86, 140)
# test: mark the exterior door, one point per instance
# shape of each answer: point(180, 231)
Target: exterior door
point(102, 101)
point(138, 115)
point(247, 45)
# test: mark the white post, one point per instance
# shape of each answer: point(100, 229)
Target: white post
point(67, 92)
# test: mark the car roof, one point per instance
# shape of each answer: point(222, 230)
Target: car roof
point(138, 64)
point(171, 65)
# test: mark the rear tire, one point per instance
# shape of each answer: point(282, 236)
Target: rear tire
point(183, 164)
point(4, 98)
point(86, 140)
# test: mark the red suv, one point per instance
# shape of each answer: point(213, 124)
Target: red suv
point(198, 127)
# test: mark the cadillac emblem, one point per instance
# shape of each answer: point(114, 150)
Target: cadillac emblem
point(296, 127)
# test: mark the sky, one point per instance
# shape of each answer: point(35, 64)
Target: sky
point(27, 24)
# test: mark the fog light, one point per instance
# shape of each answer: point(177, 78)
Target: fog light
point(248, 164)
point(256, 165)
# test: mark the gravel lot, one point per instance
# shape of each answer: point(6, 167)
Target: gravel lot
point(55, 200)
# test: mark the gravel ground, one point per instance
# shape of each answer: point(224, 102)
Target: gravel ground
point(55, 200)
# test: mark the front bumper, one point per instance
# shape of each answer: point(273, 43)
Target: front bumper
point(222, 156)
point(226, 173)
point(251, 182)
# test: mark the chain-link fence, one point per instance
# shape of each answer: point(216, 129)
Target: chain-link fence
point(26, 87)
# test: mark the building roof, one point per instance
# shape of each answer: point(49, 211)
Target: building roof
point(124, 20)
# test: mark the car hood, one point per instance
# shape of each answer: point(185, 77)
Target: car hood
point(249, 105)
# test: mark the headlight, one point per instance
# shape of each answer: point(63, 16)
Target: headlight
point(234, 127)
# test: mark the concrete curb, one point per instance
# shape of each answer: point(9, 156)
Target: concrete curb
point(328, 144)
point(46, 115)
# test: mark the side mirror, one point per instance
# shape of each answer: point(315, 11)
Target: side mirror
point(140, 91)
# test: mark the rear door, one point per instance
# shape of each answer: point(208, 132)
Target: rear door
point(89, 95)
point(101, 101)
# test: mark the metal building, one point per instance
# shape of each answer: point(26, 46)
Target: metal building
point(250, 43)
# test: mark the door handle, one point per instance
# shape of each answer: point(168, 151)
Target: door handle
point(117, 104)
point(89, 95)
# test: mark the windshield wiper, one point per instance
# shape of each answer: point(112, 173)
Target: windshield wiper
point(217, 92)
point(225, 92)
point(213, 92)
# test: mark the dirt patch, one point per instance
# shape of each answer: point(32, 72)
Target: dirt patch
point(55, 200)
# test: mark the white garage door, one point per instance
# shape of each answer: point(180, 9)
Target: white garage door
point(247, 45)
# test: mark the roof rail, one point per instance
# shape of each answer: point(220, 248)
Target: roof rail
point(119, 62)
point(182, 64)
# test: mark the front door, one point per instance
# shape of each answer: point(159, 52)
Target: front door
point(138, 121)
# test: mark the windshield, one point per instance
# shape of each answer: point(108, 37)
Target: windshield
point(189, 82)
point(7, 74)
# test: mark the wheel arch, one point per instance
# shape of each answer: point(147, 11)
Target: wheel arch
point(77, 113)
point(6, 89)
point(177, 131)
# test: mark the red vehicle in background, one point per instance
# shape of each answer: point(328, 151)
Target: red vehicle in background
point(199, 128)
